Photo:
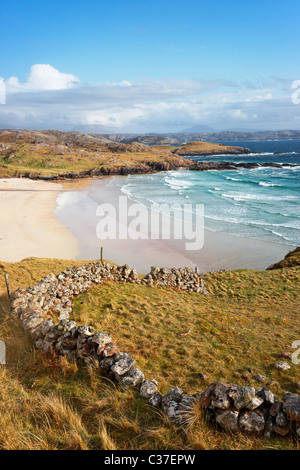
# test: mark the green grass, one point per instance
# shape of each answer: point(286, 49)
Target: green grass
point(247, 320)
point(44, 160)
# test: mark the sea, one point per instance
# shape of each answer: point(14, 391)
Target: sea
point(261, 203)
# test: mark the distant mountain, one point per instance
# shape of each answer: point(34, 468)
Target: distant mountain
point(197, 129)
point(150, 140)
point(234, 136)
point(178, 138)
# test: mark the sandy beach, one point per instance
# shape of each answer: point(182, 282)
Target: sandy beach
point(58, 220)
point(28, 226)
point(77, 210)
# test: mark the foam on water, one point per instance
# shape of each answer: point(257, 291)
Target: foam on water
point(260, 203)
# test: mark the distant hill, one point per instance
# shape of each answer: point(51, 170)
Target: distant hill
point(183, 137)
point(197, 129)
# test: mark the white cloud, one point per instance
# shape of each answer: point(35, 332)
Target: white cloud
point(43, 77)
point(257, 98)
point(53, 99)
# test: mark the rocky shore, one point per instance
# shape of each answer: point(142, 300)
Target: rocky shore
point(44, 311)
point(150, 167)
point(54, 155)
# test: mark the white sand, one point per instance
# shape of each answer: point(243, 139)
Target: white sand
point(28, 226)
point(220, 250)
point(31, 224)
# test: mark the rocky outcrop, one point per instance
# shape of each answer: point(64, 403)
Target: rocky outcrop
point(150, 140)
point(199, 148)
point(291, 260)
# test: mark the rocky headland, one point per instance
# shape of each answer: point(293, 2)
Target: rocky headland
point(56, 155)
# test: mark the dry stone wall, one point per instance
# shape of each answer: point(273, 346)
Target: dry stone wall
point(44, 311)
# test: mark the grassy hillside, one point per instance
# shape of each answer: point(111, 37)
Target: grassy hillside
point(207, 148)
point(51, 153)
point(57, 153)
point(247, 320)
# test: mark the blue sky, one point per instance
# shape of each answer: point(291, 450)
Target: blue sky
point(165, 64)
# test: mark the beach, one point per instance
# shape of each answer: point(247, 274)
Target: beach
point(28, 227)
point(58, 220)
point(77, 210)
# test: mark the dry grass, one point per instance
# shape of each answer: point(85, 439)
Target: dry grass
point(44, 160)
point(46, 403)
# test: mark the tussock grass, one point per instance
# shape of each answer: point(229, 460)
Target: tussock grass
point(46, 403)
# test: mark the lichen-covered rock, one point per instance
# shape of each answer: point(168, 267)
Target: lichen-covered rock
point(243, 397)
point(281, 365)
point(148, 388)
point(220, 398)
point(228, 420)
point(170, 410)
point(107, 363)
point(291, 407)
point(252, 422)
point(155, 399)
point(32, 321)
point(255, 403)
point(124, 362)
point(206, 396)
point(101, 339)
point(133, 377)
point(282, 426)
point(174, 395)
point(268, 397)
point(110, 350)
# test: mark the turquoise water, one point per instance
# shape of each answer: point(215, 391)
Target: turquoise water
point(261, 203)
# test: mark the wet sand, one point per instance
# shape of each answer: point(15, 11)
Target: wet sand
point(58, 220)
point(77, 211)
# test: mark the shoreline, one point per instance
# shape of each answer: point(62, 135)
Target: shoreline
point(28, 227)
point(42, 219)
point(220, 250)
